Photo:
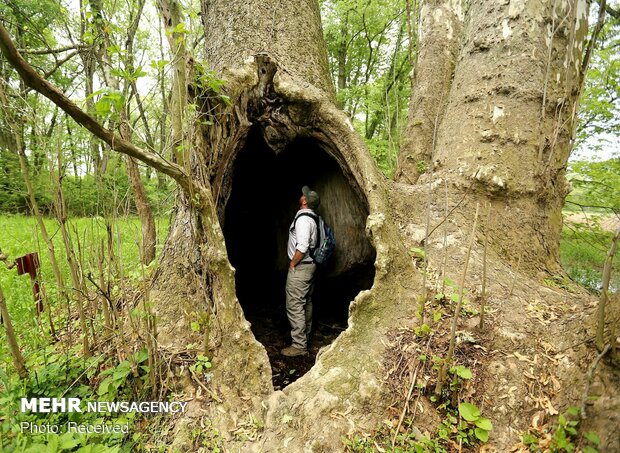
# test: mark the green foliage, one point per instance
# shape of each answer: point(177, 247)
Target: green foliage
point(582, 252)
point(596, 186)
point(201, 365)
point(563, 437)
point(84, 195)
point(56, 369)
point(20, 236)
point(599, 110)
point(451, 295)
point(461, 371)
point(207, 439)
point(368, 50)
point(560, 281)
point(423, 331)
point(422, 166)
point(57, 372)
point(417, 254)
point(109, 103)
point(476, 424)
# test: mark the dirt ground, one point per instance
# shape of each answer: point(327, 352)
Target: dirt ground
point(272, 329)
point(537, 348)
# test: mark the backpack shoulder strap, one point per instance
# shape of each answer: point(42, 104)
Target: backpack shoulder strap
point(316, 219)
point(307, 214)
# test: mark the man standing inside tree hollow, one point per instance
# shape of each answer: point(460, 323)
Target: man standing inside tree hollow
point(303, 237)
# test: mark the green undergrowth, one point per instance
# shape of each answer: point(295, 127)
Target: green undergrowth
point(66, 374)
point(462, 424)
point(563, 436)
point(56, 366)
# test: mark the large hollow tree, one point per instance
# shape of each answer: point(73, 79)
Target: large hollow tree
point(279, 97)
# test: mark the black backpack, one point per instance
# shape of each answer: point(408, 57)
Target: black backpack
point(326, 240)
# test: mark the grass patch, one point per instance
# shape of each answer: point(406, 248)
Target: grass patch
point(57, 368)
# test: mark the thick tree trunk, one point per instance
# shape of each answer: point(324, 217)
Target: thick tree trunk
point(274, 62)
point(509, 116)
point(441, 25)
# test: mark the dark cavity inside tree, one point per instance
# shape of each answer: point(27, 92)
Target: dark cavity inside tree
point(259, 203)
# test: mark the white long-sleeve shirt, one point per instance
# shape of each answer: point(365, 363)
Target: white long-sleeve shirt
point(303, 233)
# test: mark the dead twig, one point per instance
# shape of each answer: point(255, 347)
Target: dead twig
point(473, 180)
point(589, 380)
point(483, 291)
point(406, 405)
point(600, 327)
point(444, 368)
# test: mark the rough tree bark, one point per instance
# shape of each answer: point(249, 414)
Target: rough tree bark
point(441, 26)
point(506, 95)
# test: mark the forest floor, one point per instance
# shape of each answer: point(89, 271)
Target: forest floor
point(530, 361)
point(272, 330)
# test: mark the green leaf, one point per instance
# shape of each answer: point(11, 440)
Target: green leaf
point(67, 442)
point(562, 420)
point(141, 355)
point(417, 253)
point(572, 411)
point(462, 372)
point(195, 326)
point(592, 437)
point(469, 412)
point(484, 423)
point(529, 439)
point(104, 386)
point(481, 434)
point(588, 449)
point(180, 28)
point(37, 448)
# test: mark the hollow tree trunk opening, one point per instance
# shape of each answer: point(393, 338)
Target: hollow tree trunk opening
point(262, 202)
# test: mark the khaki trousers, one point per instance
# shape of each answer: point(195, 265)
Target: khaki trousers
point(299, 287)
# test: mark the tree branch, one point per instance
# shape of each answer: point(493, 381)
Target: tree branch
point(615, 13)
point(592, 43)
point(610, 208)
point(39, 84)
point(50, 51)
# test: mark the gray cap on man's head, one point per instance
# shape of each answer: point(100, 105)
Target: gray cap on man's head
point(312, 198)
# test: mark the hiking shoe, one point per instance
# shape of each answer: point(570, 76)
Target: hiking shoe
point(293, 351)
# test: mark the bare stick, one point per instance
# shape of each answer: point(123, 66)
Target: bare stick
point(514, 280)
point(444, 369)
point(404, 412)
point(483, 291)
point(424, 297)
point(473, 180)
point(445, 245)
point(18, 359)
point(600, 327)
point(589, 380)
